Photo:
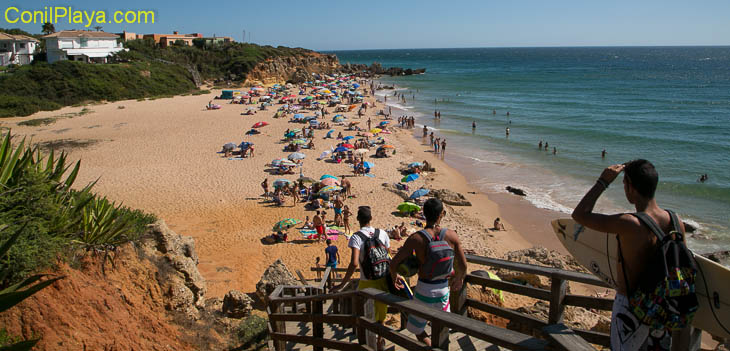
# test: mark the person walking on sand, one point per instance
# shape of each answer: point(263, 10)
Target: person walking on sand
point(346, 219)
point(442, 266)
point(265, 185)
point(295, 194)
point(318, 225)
point(331, 256)
point(338, 211)
point(346, 186)
point(443, 148)
point(637, 245)
point(369, 252)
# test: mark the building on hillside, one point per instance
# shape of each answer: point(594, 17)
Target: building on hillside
point(81, 45)
point(124, 35)
point(217, 40)
point(16, 49)
point(165, 40)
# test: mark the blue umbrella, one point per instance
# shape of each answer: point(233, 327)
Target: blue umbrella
point(409, 178)
point(418, 193)
point(384, 123)
point(327, 176)
point(415, 164)
point(290, 135)
point(356, 85)
point(341, 149)
point(329, 134)
point(348, 137)
point(367, 165)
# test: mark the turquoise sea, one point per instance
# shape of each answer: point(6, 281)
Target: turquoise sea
point(670, 105)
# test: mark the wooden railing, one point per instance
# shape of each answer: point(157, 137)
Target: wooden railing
point(306, 304)
point(557, 296)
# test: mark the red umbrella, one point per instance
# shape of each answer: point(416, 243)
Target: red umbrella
point(349, 146)
point(260, 124)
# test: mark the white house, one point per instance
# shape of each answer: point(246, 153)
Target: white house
point(81, 45)
point(16, 49)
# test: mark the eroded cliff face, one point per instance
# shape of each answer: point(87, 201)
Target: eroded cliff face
point(151, 299)
point(295, 69)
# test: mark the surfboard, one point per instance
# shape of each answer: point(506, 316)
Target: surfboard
point(598, 252)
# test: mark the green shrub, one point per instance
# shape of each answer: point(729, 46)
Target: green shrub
point(252, 331)
point(38, 122)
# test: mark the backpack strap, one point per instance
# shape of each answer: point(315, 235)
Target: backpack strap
point(675, 221)
point(362, 235)
point(649, 222)
point(426, 235)
point(442, 234)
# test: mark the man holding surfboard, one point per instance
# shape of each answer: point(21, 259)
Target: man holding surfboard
point(637, 244)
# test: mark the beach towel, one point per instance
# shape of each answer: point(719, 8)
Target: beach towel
point(311, 234)
point(370, 175)
point(235, 158)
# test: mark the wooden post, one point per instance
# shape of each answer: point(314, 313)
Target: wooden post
point(278, 327)
point(439, 335)
point(458, 301)
point(318, 327)
point(558, 289)
point(403, 320)
point(359, 309)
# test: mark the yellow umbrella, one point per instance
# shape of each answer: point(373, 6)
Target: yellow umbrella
point(375, 130)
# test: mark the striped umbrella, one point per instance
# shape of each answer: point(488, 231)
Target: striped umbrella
point(330, 181)
point(328, 176)
point(329, 189)
point(285, 224)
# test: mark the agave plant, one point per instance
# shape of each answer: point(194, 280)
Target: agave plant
point(14, 294)
point(16, 161)
point(104, 224)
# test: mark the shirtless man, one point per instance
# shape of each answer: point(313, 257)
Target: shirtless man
point(636, 242)
point(318, 226)
point(425, 130)
point(345, 184)
point(338, 211)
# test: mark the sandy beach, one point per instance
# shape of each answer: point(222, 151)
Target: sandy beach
point(162, 156)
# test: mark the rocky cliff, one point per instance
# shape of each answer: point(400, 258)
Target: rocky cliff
point(152, 298)
point(295, 69)
point(302, 68)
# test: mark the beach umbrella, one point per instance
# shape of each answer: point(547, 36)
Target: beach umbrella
point(362, 151)
point(260, 124)
point(330, 181)
point(415, 164)
point(408, 207)
point(354, 123)
point(281, 182)
point(277, 162)
point(384, 123)
point(348, 146)
point(307, 180)
point(367, 164)
point(409, 178)
point(375, 130)
point(341, 149)
point(325, 154)
point(388, 147)
point(287, 163)
point(299, 141)
point(285, 224)
point(229, 146)
point(290, 135)
point(297, 156)
point(348, 138)
point(338, 119)
point(328, 189)
point(329, 133)
point(328, 176)
point(418, 193)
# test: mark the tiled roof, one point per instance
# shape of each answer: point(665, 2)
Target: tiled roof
point(6, 36)
point(81, 34)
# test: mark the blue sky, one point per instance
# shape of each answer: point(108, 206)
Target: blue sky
point(333, 25)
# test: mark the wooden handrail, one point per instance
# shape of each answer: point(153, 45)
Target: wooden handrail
point(538, 270)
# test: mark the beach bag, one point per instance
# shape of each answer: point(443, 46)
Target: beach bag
point(665, 298)
point(439, 262)
point(377, 261)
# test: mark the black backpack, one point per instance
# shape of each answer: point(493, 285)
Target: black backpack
point(665, 297)
point(377, 260)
